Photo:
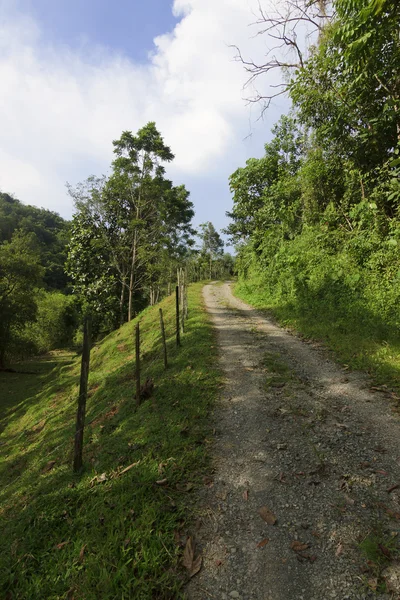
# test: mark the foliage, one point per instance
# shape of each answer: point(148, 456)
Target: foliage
point(129, 229)
point(66, 535)
point(56, 321)
point(316, 219)
point(20, 273)
point(51, 232)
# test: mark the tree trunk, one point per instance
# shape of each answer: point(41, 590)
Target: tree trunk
point(132, 278)
point(121, 303)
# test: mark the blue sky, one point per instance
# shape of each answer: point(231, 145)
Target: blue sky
point(128, 26)
point(76, 73)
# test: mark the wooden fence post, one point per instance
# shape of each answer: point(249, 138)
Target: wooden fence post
point(185, 294)
point(83, 384)
point(163, 339)
point(137, 363)
point(178, 337)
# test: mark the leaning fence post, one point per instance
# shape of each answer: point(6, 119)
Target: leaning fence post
point(163, 338)
point(83, 384)
point(178, 337)
point(137, 363)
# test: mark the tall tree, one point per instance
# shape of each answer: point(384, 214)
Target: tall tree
point(135, 182)
point(130, 224)
point(212, 243)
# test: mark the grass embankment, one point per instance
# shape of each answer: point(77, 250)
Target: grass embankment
point(355, 342)
point(106, 533)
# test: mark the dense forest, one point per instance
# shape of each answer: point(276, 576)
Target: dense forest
point(317, 218)
point(129, 234)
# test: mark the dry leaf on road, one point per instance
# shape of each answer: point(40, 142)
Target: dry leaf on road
point(298, 546)
point(263, 543)
point(267, 515)
point(189, 562)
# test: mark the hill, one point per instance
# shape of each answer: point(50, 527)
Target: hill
point(112, 531)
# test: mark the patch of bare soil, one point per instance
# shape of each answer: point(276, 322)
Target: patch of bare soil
point(305, 498)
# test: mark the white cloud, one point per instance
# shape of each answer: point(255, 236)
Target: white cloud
point(61, 108)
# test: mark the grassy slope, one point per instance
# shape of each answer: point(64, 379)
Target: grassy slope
point(357, 347)
point(66, 536)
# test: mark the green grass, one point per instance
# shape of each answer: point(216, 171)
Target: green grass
point(76, 536)
point(355, 346)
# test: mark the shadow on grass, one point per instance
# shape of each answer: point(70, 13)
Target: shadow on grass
point(18, 391)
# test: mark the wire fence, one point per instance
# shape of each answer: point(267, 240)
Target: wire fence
point(181, 315)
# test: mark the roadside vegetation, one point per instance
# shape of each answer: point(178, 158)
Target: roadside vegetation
point(316, 220)
point(115, 530)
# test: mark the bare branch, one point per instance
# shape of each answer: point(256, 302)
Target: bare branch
point(293, 26)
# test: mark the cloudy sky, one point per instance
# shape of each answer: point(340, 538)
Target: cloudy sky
point(75, 73)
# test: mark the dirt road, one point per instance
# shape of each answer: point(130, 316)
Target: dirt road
point(304, 456)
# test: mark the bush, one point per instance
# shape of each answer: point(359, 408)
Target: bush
point(55, 324)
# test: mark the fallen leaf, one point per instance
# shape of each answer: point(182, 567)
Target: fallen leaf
point(222, 495)
point(381, 472)
point(267, 515)
point(312, 558)
point(373, 584)
point(384, 550)
point(189, 562)
point(246, 495)
point(380, 449)
point(263, 543)
point(49, 466)
point(135, 464)
point(162, 482)
point(208, 481)
point(316, 534)
point(98, 479)
point(218, 562)
point(393, 514)
point(298, 546)
point(81, 553)
point(394, 487)
point(339, 550)
point(61, 545)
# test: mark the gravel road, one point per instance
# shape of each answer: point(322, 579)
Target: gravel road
point(304, 456)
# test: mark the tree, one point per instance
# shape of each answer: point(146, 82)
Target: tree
point(20, 274)
point(135, 184)
point(212, 243)
point(266, 191)
point(51, 231)
point(129, 226)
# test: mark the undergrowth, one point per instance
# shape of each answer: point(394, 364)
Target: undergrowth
point(106, 533)
point(340, 290)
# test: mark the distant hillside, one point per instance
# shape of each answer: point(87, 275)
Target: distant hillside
point(51, 230)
